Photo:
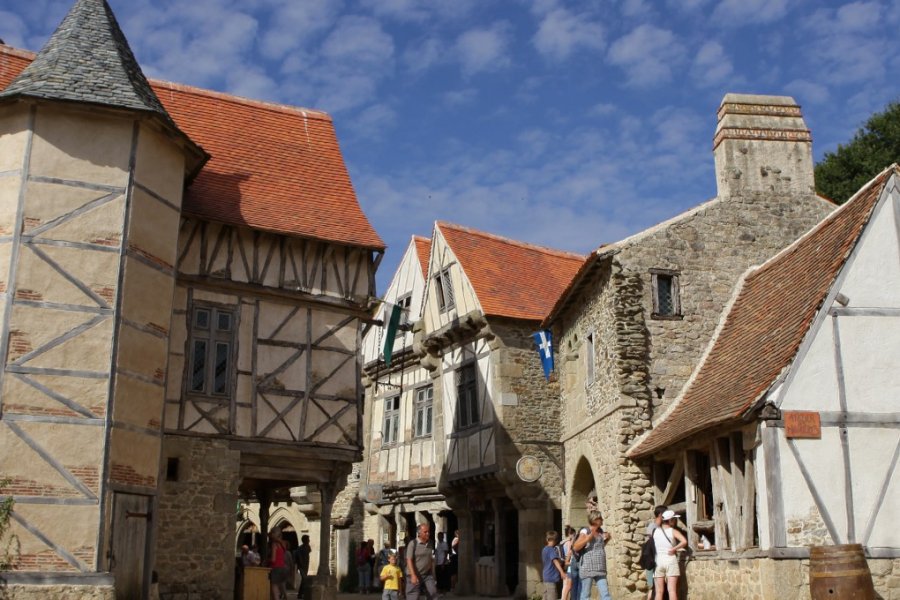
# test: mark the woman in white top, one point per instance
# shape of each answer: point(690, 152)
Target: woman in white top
point(668, 542)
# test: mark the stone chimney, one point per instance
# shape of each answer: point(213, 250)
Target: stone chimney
point(762, 145)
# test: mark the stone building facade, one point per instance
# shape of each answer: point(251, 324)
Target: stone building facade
point(786, 430)
point(471, 352)
point(181, 318)
point(637, 317)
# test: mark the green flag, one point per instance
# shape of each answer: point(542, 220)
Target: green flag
point(393, 323)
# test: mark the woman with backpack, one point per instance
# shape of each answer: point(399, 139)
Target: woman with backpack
point(570, 587)
point(668, 541)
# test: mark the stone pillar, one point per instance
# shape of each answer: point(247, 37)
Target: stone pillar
point(325, 585)
point(534, 521)
point(465, 579)
point(262, 494)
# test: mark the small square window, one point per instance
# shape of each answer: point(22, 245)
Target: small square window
point(666, 294)
point(172, 469)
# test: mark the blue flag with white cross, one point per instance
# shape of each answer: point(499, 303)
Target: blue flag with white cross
point(544, 341)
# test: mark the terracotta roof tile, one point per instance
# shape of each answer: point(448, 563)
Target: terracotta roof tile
point(511, 279)
point(423, 251)
point(768, 319)
point(273, 167)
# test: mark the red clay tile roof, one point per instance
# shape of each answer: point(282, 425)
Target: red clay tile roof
point(273, 167)
point(511, 279)
point(765, 325)
point(423, 251)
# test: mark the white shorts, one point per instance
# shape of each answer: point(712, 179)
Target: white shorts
point(666, 566)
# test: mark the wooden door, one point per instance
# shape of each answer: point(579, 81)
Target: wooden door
point(128, 549)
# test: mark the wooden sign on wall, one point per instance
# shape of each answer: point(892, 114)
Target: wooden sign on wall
point(802, 424)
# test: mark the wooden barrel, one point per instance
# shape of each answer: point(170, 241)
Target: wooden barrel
point(839, 573)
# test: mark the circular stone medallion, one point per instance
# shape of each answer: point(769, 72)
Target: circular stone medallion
point(529, 468)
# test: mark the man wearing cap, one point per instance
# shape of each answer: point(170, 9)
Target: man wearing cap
point(668, 542)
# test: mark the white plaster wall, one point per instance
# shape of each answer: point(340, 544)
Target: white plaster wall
point(869, 351)
point(407, 280)
point(465, 301)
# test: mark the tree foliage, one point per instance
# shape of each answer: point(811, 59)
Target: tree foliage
point(875, 146)
point(9, 543)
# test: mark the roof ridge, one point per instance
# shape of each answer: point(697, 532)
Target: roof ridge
point(500, 238)
point(20, 52)
point(273, 106)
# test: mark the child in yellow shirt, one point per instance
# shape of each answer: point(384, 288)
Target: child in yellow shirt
point(391, 576)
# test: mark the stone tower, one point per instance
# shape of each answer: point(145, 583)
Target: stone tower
point(762, 145)
point(92, 170)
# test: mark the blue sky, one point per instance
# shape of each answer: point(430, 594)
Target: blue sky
point(562, 123)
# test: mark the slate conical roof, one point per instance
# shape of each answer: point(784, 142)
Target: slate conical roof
point(87, 59)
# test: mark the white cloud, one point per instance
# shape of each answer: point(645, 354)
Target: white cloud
point(602, 109)
point(636, 8)
point(457, 98)
point(807, 92)
point(374, 120)
point(561, 32)
point(419, 10)
point(12, 29)
point(484, 49)
point(290, 25)
point(359, 41)
point(648, 54)
point(851, 43)
point(737, 13)
point(421, 56)
point(686, 5)
point(712, 66)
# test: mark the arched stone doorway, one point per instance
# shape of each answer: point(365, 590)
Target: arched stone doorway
point(583, 488)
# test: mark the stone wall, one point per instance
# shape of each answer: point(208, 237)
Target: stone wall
point(529, 414)
point(641, 362)
point(196, 515)
point(769, 579)
point(57, 592)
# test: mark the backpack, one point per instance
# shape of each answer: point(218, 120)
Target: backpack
point(362, 557)
point(648, 554)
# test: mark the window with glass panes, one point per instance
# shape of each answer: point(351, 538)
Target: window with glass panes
point(444, 290)
point(391, 420)
point(212, 339)
point(466, 397)
point(666, 296)
point(424, 405)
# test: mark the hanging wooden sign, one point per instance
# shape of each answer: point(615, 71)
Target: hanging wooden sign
point(802, 424)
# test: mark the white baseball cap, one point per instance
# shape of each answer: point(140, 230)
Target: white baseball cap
point(670, 514)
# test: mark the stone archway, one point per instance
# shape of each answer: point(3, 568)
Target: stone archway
point(583, 487)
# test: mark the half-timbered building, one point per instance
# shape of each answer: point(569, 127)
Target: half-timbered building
point(400, 470)
point(184, 279)
point(634, 321)
point(787, 434)
point(493, 409)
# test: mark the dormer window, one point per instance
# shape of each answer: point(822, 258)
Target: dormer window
point(444, 290)
point(666, 294)
point(404, 302)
